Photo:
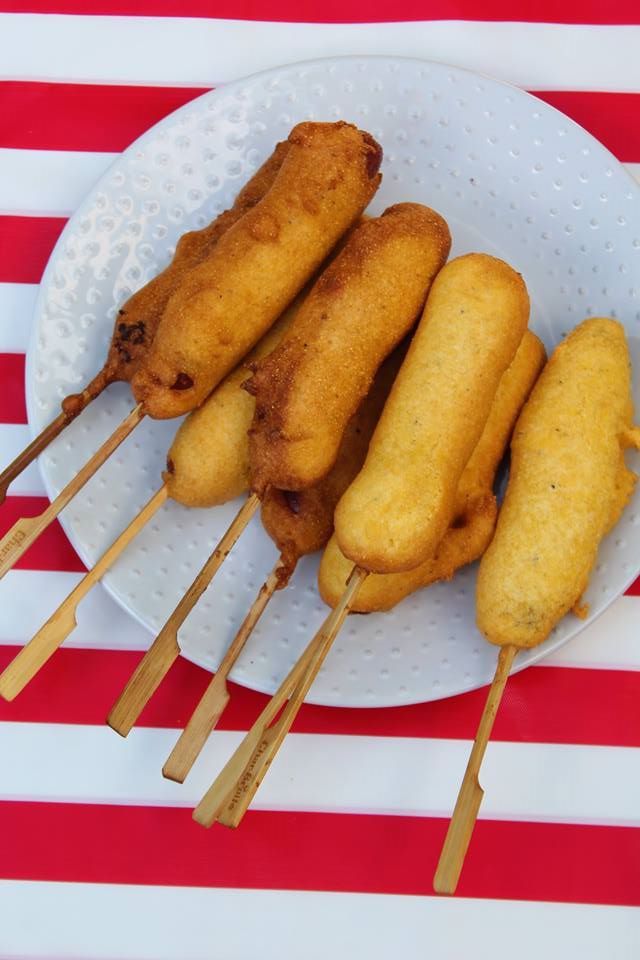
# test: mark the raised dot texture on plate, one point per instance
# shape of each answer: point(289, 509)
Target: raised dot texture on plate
point(450, 139)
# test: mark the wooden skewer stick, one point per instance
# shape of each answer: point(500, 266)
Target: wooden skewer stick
point(230, 795)
point(24, 531)
point(164, 650)
point(29, 454)
point(208, 808)
point(49, 637)
point(471, 793)
point(216, 697)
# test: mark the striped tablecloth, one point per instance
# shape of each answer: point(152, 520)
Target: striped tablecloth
point(99, 857)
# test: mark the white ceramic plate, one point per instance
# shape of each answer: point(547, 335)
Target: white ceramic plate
point(512, 176)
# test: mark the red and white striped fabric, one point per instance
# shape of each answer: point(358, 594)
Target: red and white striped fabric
point(99, 855)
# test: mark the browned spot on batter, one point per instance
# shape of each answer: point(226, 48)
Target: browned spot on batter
point(292, 500)
point(171, 467)
point(374, 156)
point(264, 228)
point(459, 522)
point(132, 332)
point(183, 382)
point(249, 385)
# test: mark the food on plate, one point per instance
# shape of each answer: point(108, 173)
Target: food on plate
point(404, 291)
point(299, 524)
point(475, 512)
point(137, 320)
point(225, 304)
point(568, 485)
point(207, 465)
point(471, 328)
point(397, 510)
point(363, 304)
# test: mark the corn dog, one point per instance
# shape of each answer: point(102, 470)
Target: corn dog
point(397, 510)
point(208, 463)
point(356, 313)
point(226, 303)
point(301, 522)
point(475, 512)
point(568, 485)
point(138, 318)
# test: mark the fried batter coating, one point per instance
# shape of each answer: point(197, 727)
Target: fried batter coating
point(301, 523)
point(226, 303)
point(568, 485)
point(208, 463)
point(397, 510)
point(475, 514)
point(138, 319)
point(361, 307)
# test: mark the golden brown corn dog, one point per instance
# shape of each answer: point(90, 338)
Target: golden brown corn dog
point(225, 304)
point(356, 313)
point(475, 513)
point(208, 463)
point(568, 485)
point(397, 510)
point(138, 318)
point(302, 523)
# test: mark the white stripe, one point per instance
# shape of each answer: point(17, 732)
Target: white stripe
point(108, 922)
point(611, 642)
point(17, 302)
point(29, 597)
point(48, 182)
point(328, 773)
point(174, 50)
point(14, 437)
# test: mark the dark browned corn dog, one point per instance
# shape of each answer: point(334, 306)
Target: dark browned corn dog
point(302, 523)
point(364, 303)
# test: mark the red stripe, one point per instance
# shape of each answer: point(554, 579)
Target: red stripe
point(25, 246)
point(634, 589)
point(546, 704)
point(66, 116)
point(52, 550)
point(13, 408)
point(309, 851)
point(610, 117)
point(335, 11)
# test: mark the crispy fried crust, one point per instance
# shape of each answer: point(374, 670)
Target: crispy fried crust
point(138, 319)
point(397, 510)
point(361, 307)
point(226, 303)
point(208, 463)
point(475, 514)
point(568, 485)
point(301, 523)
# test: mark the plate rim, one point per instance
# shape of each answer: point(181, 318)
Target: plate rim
point(536, 654)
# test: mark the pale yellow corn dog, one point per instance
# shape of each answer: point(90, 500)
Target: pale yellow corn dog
point(398, 509)
point(475, 514)
point(568, 485)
